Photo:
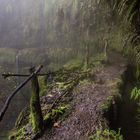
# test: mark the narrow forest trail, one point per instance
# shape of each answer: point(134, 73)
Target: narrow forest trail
point(86, 116)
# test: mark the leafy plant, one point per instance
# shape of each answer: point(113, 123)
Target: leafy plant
point(130, 8)
point(135, 93)
point(55, 113)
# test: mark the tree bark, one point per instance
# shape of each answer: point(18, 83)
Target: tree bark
point(35, 107)
point(87, 56)
point(105, 50)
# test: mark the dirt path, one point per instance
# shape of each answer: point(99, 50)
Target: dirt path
point(86, 116)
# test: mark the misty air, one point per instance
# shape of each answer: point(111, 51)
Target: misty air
point(69, 70)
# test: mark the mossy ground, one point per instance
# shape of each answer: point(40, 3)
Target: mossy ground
point(65, 80)
point(89, 83)
point(106, 135)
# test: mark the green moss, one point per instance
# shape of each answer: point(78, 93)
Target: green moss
point(23, 118)
point(73, 64)
point(105, 107)
point(35, 107)
point(85, 81)
point(56, 113)
point(65, 80)
point(106, 135)
point(35, 117)
point(98, 59)
point(65, 85)
point(42, 85)
point(115, 86)
point(20, 135)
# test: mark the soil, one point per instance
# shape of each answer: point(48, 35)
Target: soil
point(87, 116)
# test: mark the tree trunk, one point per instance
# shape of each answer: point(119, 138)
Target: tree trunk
point(105, 50)
point(7, 103)
point(87, 56)
point(35, 107)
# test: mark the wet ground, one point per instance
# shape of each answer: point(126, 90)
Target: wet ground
point(86, 116)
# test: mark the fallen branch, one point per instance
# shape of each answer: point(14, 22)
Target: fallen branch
point(6, 105)
point(6, 75)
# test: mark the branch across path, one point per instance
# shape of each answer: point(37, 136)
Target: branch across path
point(5, 75)
point(6, 105)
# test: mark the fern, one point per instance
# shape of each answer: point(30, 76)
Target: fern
point(129, 9)
point(135, 93)
point(106, 135)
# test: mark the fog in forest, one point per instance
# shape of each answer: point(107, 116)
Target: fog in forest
point(28, 24)
point(38, 32)
point(88, 42)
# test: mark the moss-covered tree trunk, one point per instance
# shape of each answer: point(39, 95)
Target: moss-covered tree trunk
point(35, 107)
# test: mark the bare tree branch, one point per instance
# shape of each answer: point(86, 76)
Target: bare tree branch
point(6, 105)
point(5, 75)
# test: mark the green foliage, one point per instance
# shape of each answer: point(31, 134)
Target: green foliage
point(86, 81)
point(106, 135)
point(115, 96)
point(20, 135)
point(105, 107)
point(135, 96)
point(116, 40)
point(73, 64)
point(129, 8)
point(23, 118)
point(128, 21)
point(56, 113)
point(135, 93)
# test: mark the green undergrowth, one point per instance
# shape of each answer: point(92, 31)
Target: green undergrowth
point(73, 64)
point(18, 135)
point(72, 69)
point(111, 102)
point(57, 113)
point(23, 118)
point(106, 135)
point(115, 96)
point(135, 97)
point(97, 60)
point(135, 93)
point(64, 80)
